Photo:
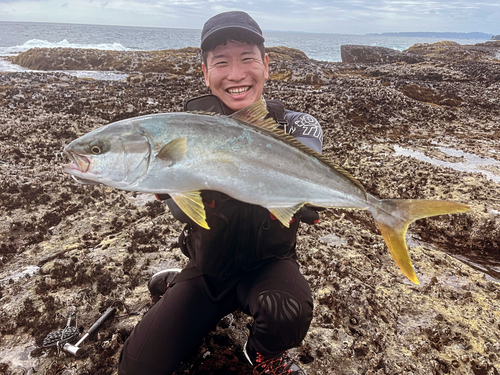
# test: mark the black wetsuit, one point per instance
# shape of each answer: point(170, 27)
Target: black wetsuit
point(246, 260)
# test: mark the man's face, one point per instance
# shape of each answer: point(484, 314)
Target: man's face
point(236, 74)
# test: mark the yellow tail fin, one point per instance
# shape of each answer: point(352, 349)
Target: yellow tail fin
point(397, 214)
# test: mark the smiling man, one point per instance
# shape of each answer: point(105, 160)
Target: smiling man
point(247, 259)
point(236, 73)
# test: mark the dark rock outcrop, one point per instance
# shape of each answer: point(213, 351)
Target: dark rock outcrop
point(452, 51)
point(281, 52)
point(176, 62)
point(495, 37)
point(375, 55)
point(442, 51)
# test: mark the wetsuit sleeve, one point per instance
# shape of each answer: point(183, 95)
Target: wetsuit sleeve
point(177, 212)
point(305, 128)
point(174, 208)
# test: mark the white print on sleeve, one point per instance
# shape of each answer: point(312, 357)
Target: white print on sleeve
point(309, 126)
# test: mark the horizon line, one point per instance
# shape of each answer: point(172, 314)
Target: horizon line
point(264, 30)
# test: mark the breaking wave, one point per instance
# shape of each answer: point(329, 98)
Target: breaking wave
point(38, 43)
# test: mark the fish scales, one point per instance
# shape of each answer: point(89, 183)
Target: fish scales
point(225, 155)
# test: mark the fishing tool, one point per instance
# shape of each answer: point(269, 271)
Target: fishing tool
point(75, 349)
point(63, 336)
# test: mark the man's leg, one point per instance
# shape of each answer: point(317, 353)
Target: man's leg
point(279, 298)
point(171, 329)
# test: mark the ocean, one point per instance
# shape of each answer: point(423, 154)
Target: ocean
point(17, 37)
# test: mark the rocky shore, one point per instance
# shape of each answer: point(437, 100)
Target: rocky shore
point(425, 128)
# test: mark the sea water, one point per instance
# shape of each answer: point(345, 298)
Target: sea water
point(17, 37)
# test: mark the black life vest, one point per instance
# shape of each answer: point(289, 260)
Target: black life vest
point(242, 236)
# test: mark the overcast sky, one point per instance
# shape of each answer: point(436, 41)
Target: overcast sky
point(328, 16)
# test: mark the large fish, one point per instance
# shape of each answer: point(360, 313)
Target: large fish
point(243, 156)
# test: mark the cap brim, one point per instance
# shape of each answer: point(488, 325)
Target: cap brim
point(227, 30)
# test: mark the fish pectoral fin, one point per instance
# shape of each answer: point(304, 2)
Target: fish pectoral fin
point(174, 151)
point(285, 214)
point(192, 205)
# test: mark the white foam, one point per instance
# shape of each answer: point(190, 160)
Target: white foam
point(7, 66)
point(38, 43)
point(98, 74)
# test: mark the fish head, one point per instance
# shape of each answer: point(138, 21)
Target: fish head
point(115, 155)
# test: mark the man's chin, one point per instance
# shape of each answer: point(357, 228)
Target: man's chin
point(235, 104)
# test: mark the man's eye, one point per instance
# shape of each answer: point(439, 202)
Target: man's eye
point(221, 63)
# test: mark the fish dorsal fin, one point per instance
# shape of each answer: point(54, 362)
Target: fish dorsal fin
point(200, 112)
point(285, 214)
point(174, 151)
point(192, 205)
point(254, 115)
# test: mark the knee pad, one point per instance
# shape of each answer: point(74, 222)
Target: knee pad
point(279, 306)
point(284, 316)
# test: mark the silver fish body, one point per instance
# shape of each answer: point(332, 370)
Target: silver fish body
point(240, 155)
point(222, 155)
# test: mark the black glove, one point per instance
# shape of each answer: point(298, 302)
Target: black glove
point(309, 215)
point(174, 208)
point(162, 197)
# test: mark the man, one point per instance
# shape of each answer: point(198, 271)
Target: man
point(247, 258)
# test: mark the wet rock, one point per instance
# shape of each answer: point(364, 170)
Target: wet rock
point(176, 62)
point(180, 62)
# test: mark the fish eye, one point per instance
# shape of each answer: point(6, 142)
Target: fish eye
point(96, 150)
point(98, 147)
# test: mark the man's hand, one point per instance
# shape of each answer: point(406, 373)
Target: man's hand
point(162, 197)
point(309, 215)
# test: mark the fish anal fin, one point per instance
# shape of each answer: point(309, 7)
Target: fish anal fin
point(285, 214)
point(174, 151)
point(192, 205)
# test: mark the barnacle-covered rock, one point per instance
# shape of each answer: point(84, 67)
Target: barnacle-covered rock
point(453, 51)
point(375, 55)
point(91, 246)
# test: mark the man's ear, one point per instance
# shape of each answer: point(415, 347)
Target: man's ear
point(266, 65)
point(205, 73)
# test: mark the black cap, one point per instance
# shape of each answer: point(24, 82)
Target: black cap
point(225, 22)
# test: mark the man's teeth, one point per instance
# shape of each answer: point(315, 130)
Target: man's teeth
point(238, 90)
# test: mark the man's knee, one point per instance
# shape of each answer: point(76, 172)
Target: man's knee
point(279, 311)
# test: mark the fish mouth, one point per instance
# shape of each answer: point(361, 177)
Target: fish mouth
point(84, 181)
point(79, 163)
